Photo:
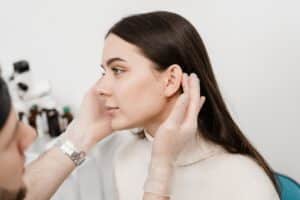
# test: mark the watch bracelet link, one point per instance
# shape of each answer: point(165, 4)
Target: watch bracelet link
point(67, 147)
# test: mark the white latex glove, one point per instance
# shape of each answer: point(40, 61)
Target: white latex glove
point(173, 135)
point(92, 124)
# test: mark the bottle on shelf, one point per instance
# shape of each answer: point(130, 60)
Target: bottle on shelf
point(66, 117)
point(45, 121)
point(39, 124)
point(23, 117)
point(53, 122)
point(32, 116)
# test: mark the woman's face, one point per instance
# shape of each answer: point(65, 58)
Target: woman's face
point(15, 137)
point(133, 85)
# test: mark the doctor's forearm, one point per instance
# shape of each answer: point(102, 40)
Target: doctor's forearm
point(44, 175)
point(159, 181)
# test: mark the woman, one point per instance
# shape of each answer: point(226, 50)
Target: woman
point(191, 154)
point(150, 52)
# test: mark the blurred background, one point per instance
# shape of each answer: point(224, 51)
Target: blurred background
point(254, 47)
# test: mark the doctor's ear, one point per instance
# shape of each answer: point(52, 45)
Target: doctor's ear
point(173, 78)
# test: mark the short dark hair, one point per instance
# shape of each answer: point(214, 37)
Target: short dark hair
point(5, 103)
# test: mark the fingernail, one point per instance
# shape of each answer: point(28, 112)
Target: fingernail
point(194, 75)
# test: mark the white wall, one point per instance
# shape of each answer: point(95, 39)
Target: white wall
point(254, 47)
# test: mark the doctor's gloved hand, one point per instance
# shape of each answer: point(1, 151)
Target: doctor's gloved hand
point(174, 133)
point(91, 124)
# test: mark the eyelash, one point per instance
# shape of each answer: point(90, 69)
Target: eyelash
point(114, 70)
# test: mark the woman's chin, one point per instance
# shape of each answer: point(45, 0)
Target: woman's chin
point(119, 125)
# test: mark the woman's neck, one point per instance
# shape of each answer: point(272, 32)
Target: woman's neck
point(152, 126)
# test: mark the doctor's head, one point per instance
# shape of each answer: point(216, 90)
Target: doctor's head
point(15, 137)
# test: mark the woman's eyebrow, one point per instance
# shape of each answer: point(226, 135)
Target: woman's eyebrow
point(111, 60)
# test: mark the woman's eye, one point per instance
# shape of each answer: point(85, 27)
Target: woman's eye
point(117, 71)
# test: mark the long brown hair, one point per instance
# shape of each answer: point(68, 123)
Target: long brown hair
point(167, 38)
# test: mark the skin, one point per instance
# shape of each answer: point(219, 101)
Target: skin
point(127, 73)
point(15, 138)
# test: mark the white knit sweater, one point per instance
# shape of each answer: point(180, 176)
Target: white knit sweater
point(118, 167)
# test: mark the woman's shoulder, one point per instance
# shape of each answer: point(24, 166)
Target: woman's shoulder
point(243, 174)
point(238, 165)
point(237, 161)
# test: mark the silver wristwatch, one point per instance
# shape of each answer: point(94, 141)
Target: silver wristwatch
point(69, 149)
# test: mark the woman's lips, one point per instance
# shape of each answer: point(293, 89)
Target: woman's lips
point(112, 111)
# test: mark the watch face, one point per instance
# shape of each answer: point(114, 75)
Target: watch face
point(78, 158)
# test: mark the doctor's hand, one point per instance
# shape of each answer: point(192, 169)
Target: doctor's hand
point(181, 124)
point(92, 124)
point(172, 136)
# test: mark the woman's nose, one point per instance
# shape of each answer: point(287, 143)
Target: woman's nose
point(103, 86)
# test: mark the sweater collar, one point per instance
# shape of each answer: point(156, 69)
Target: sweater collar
point(195, 150)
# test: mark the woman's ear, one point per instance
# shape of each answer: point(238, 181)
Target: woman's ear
point(173, 77)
